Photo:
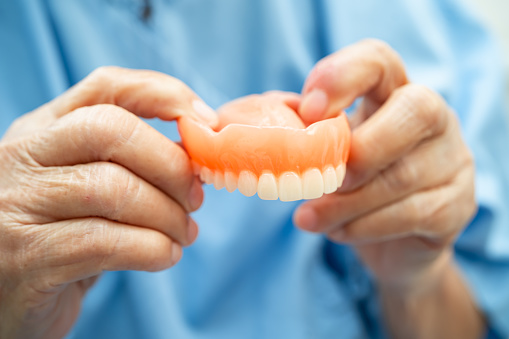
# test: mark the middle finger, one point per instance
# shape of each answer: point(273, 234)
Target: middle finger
point(110, 191)
point(431, 164)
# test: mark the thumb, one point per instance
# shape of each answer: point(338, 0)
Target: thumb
point(369, 68)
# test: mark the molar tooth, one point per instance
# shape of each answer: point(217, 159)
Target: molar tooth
point(218, 180)
point(248, 183)
point(206, 175)
point(267, 186)
point(230, 181)
point(290, 187)
point(330, 180)
point(340, 173)
point(312, 184)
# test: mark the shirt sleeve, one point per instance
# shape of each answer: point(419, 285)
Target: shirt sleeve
point(446, 48)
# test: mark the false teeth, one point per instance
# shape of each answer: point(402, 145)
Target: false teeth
point(248, 183)
point(218, 180)
point(340, 174)
point(206, 175)
point(230, 181)
point(312, 184)
point(330, 180)
point(289, 186)
point(267, 186)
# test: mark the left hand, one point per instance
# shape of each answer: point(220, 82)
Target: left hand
point(409, 187)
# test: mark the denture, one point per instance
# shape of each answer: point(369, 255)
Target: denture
point(262, 146)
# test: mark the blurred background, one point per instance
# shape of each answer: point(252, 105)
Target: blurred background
point(495, 14)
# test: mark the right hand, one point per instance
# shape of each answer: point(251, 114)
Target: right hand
point(86, 186)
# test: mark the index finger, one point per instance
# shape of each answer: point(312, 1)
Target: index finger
point(410, 116)
point(369, 68)
point(147, 94)
point(108, 133)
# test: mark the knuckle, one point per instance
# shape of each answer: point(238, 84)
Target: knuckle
point(418, 211)
point(21, 245)
point(104, 127)
point(14, 154)
point(425, 214)
point(401, 177)
point(379, 46)
point(434, 215)
point(425, 107)
point(389, 57)
point(126, 190)
point(180, 91)
point(103, 74)
point(99, 117)
point(438, 216)
point(110, 187)
point(18, 125)
point(98, 242)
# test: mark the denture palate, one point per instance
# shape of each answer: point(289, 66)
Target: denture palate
point(262, 146)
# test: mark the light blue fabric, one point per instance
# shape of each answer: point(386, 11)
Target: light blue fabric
point(251, 274)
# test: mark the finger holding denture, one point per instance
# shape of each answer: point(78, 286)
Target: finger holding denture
point(262, 146)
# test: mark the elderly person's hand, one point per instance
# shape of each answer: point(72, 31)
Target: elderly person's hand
point(408, 191)
point(86, 186)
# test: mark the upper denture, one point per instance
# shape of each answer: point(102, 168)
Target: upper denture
point(262, 146)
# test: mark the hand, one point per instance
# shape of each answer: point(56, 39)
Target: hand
point(409, 187)
point(86, 186)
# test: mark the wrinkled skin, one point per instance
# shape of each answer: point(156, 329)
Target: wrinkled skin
point(409, 187)
point(86, 186)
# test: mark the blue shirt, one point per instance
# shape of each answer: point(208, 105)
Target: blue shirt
point(251, 274)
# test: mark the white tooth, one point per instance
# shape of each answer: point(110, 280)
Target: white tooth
point(248, 183)
point(330, 180)
point(230, 181)
point(312, 184)
point(267, 186)
point(290, 187)
point(340, 173)
point(206, 175)
point(218, 180)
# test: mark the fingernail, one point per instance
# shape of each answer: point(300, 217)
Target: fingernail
point(176, 253)
point(314, 105)
point(305, 218)
point(205, 113)
point(195, 197)
point(192, 230)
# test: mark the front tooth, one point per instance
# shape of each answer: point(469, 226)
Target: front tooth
point(230, 181)
point(330, 180)
point(206, 175)
point(267, 186)
point(218, 180)
point(248, 183)
point(340, 173)
point(312, 184)
point(290, 187)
